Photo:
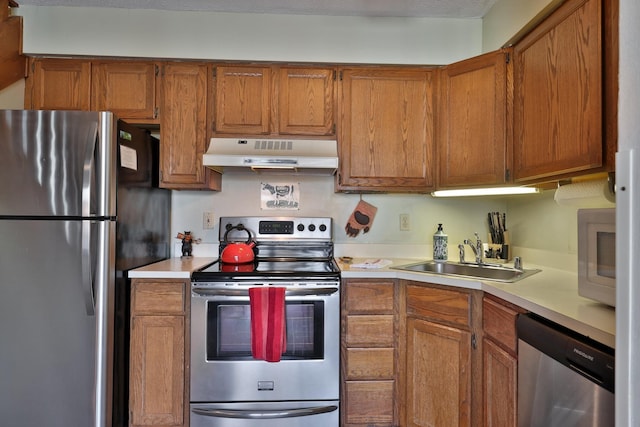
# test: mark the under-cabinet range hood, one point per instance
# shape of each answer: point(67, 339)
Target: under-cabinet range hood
point(319, 157)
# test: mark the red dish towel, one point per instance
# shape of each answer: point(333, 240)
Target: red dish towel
point(268, 323)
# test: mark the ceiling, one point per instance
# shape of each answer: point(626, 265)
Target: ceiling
point(367, 8)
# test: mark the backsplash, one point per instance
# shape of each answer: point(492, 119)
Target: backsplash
point(539, 228)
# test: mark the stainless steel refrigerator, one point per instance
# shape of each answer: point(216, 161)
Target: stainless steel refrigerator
point(79, 207)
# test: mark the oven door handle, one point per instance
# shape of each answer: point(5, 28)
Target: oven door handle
point(294, 292)
point(263, 415)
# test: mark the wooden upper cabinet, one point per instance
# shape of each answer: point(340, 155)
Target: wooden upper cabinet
point(307, 101)
point(183, 127)
point(58, 84)
point(243, 100)
point(275, 100)
point(387, 124)
point(127, 88)
point(472, 143)
point(558, 94)
point(12, 62)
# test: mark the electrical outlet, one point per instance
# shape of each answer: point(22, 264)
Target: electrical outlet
point(405, 222)
point(208, 221)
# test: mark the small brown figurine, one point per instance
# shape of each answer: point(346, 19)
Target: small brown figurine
point(187, 240)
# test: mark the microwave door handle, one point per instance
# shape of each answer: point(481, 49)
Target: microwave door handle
point(264, 415)
point(245, 292)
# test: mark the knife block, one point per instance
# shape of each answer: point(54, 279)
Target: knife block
point(498, 252)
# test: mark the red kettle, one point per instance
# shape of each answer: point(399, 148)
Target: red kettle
point(238, 252)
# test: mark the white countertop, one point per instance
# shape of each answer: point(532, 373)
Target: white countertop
point(172, 268)
point(551, 293)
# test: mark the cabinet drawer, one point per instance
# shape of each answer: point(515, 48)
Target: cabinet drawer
point(369, 402)
point(441, 305)
point(369, 297)
point(158, 297)
point(370, 364)
point(499, 323)
point(369, 331)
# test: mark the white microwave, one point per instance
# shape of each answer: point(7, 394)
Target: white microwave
point(597, 254)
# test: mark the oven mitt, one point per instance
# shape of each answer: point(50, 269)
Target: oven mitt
point(360, 219)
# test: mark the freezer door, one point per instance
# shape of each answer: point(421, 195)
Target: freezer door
point(55, 359)
point(64, 160)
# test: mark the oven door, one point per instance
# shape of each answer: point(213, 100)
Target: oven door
point(265, 414)
point(222, 368)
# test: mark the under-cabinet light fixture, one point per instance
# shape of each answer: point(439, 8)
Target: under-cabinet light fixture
point(495, 191)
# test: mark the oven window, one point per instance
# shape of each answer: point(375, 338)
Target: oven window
point(229, 330)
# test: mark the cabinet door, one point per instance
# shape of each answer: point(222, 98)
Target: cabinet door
point(243, 96)
point(157, 371)
point(471, 145)
point(387, 130)
point(369, 385)
point(126, 88)
point(368, 403)
point(500, 385)
point(306, 101)
point(558, 94)
point(438, 375)
point(58, 84)
point(183, 127)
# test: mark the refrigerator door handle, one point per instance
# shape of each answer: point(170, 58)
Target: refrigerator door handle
point(89, 172)
point(87, 271)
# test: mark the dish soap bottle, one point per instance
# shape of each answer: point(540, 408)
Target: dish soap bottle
point(440, 251)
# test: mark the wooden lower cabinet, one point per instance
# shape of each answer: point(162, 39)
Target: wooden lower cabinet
point(442, 367)
point(500, 386)
point(438, 375)
point(500, 347)
point(369, 358)
point(158, 373)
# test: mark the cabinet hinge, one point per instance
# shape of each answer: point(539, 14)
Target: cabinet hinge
point(157, 70)
point(340, 75)
point(334, 128)
point(155, 113)
point(334, 74)
point(507, 175)
point(214, 72)
point(507, 57)
point(33, 66)
point(474, 342)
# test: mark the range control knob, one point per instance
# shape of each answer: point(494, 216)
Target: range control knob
point(312, 227)
point(300, 227)
point(323, 228)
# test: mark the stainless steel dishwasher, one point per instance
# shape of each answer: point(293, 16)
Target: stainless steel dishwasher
point(564, 379)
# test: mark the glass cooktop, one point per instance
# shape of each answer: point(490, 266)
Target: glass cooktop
point(302, 269)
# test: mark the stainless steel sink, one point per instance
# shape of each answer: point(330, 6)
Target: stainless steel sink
point(474, 271)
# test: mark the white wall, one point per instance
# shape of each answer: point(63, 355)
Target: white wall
point(12, 97)
point(200, 35)
point(506, 18)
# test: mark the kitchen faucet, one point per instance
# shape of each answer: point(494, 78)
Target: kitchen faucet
point(477, 249)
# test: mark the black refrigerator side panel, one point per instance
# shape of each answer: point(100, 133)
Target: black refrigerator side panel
point(142, 237)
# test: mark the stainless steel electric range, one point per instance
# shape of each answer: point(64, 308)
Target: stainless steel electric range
point(230, 387)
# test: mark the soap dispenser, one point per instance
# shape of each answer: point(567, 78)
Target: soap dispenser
point(440, 240)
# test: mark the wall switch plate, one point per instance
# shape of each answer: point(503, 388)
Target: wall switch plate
point(208, 221)
point(405, 222)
